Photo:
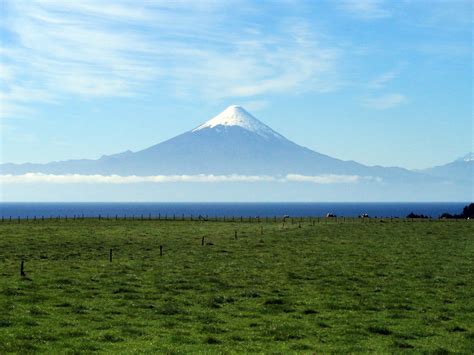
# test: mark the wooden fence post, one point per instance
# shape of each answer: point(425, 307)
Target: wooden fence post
point(110, 255)
point(22, 271)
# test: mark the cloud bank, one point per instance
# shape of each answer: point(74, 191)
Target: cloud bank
point(31, 178)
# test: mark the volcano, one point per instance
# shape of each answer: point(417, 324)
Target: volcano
point(233, 142)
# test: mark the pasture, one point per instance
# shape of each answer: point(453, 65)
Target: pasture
point(230, 286)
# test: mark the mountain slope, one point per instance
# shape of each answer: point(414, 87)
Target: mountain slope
point(461, 170)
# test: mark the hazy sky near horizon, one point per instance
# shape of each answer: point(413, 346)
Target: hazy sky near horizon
point(377, 81)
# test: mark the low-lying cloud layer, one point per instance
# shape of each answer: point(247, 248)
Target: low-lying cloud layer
point(133, 179)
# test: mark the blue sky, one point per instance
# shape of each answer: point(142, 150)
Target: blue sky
point(380, 82)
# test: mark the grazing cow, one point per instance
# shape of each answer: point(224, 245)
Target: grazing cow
point(330, 215)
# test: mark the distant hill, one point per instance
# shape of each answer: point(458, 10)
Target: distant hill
point(460, 170)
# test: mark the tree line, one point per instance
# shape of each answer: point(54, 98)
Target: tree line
point(467, 213)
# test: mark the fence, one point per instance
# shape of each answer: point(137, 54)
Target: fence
point(242, 219)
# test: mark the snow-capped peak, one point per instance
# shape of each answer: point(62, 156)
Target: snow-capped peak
point(467, 157)
point(237, 116)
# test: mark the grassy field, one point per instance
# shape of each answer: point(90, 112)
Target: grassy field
point(344, 286)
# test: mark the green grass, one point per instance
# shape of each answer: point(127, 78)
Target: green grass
point(338, 286)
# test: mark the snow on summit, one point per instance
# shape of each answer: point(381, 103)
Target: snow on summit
point(237, 116)
point(468, 157)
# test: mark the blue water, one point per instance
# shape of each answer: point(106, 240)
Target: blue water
point(401, 209)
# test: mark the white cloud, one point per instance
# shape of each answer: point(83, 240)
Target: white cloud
point(7, 73)
point(133, 179)
point(365, 9)
point(121, 48)
point(385, 102)
point(324, 179)
point(12, 109)
point(384, 78)
point(331, 179)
